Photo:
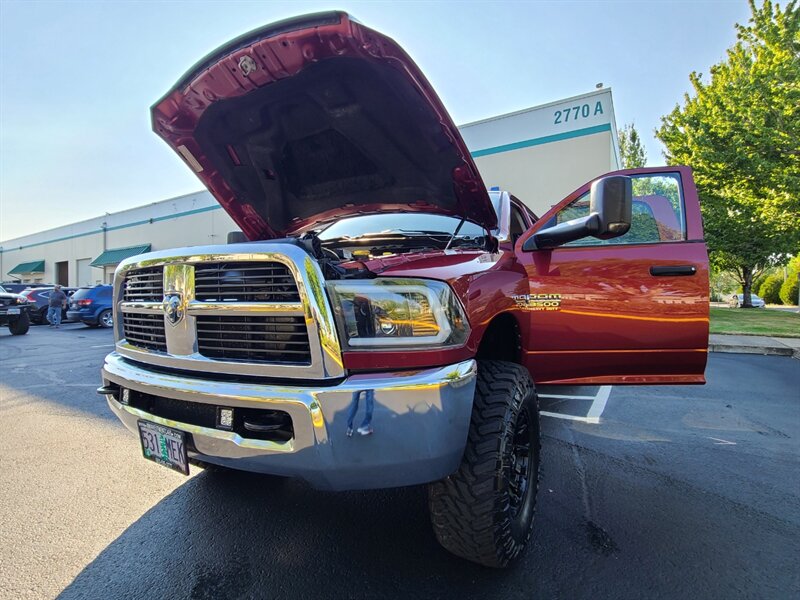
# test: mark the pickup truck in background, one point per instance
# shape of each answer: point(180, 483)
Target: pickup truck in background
point(383, 320)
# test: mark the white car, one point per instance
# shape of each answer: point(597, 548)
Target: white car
point(737, 300)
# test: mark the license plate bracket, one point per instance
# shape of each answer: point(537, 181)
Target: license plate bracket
point(164, 445)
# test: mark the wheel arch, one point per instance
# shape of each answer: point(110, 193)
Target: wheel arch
point(501, 340)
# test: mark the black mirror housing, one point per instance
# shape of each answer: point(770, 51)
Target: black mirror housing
point(611, 198)
point(237, 237)
point(610, 205)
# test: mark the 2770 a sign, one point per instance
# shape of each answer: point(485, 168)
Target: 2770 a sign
point(582, 111)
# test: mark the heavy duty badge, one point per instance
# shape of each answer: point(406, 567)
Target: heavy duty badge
point(538, 301)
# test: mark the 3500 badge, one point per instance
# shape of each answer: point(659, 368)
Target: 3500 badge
point(538, 301)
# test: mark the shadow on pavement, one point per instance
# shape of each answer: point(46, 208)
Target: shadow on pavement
point(227, 534)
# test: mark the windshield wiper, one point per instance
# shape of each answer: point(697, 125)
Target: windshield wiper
point(413, 232)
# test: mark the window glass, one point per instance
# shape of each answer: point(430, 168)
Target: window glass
point(518, 225)
point(656, 214)
point(399, 222)
point(82, 293)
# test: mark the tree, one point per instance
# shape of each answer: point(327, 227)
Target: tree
point(740, 132)
point(631, 150)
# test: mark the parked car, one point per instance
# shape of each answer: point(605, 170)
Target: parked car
point(92, 306)
point(737, 300)
point(40, 297)
point(14, 312)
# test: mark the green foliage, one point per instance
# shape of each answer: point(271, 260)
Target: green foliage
point(789, 289)
point(739, 132)
point(631, 149)
point(759, 281)
point(723, 285)
point(770, 290)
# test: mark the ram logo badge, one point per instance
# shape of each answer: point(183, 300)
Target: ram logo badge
point(173, 308)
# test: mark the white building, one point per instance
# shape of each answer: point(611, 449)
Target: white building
point(540, 155)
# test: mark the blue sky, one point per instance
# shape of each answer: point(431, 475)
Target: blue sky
point(77, 78)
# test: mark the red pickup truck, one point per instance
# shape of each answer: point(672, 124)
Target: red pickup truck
point(384, 319)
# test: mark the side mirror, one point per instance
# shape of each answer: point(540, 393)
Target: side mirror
point(237, 237)
point(610, 202)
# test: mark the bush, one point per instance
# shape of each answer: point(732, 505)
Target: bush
point(771, 289)
point(789, 290)
point(758, 282)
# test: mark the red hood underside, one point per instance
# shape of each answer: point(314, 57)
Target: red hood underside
point(318, 118)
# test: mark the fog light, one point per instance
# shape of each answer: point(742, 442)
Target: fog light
point(225, 418)
point(125, 395)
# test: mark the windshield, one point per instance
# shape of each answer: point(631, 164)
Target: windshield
point(404, 223)
point(398, 223)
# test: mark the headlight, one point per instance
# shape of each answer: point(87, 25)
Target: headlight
point(391, 313)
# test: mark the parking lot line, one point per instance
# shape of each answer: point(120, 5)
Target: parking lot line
point(567, 397)
point(599, 404)
point(545, 413)
point(595, 411)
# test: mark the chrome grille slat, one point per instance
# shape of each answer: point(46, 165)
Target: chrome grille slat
point(245, 282)
point(253, 338)
point(144, 285)
point(248, 341)
point(146, 331)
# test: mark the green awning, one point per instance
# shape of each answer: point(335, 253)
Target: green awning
point(115, 256)
point(37, 266)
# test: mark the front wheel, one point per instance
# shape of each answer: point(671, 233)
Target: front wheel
point(21, 325)
point(484, 511)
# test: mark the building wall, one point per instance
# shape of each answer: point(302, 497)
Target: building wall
point(190, 220)
point(539, 154)
point(543, 153)
point(542, 175)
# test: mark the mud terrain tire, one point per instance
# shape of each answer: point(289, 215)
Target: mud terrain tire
point(484, 511)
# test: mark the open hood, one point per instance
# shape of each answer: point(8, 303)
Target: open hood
point(318, 118)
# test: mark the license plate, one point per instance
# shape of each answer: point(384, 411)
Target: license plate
point(164, 445)
point(13, 311)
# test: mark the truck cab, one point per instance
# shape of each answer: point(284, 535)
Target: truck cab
point(386, 319)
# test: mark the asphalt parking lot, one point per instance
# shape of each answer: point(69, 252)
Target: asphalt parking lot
point(646, 492)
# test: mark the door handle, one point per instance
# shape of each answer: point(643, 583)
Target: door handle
point(672, 270)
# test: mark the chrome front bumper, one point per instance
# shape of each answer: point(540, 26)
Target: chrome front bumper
point(419, 424)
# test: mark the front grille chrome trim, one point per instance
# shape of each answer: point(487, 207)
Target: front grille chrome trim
point(325, 350)
point(147, 308)
point(275, 309)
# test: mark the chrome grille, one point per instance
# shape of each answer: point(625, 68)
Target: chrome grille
point(145, 330)
point(245, 282)
point(144, 285)
point(263, 339)
point(255, 309)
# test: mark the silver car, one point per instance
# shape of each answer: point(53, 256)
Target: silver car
point(737, 300)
